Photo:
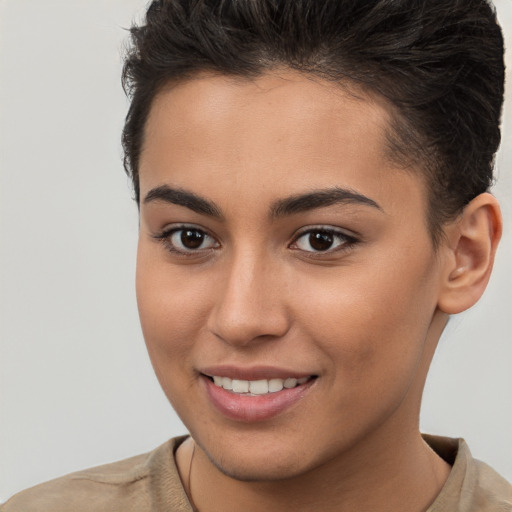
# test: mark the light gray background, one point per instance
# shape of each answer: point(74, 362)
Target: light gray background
point(76, 386)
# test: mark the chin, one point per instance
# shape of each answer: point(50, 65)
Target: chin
point(258, 463)
point(263, 470)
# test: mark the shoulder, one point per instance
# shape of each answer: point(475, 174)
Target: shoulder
point(472, 486)
point(105, 487)
point(491, 491)
point(120, 486)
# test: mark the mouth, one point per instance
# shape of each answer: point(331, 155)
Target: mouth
point(258, 387)
point(255, 399)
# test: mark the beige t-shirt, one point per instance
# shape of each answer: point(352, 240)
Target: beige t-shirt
point(150, 483)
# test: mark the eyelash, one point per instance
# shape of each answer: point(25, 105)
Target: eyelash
point(346, 241)
point(166, 238)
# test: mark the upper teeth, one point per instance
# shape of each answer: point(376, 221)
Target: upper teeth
point(257, 387)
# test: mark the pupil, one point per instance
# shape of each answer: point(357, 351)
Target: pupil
point(320, 241)
point(192, 239)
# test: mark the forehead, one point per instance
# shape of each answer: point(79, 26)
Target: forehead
point(279, 133)
point(288, 104)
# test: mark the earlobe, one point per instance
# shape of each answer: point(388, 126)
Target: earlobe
point(472, 241)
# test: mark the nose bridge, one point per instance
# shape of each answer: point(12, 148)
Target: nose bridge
point(251, 303)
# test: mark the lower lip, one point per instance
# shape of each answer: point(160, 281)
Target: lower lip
point(254, 408)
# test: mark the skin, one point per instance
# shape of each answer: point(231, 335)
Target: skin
point(364, 317)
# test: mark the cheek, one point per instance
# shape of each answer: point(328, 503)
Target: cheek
point(372, 320)
point(172, 311)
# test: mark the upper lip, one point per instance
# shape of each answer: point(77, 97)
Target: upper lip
point(252, 372)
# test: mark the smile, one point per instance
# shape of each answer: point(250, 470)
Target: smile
point(256, 399)
point(258, 387)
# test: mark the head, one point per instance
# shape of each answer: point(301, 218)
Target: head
point(312, 182)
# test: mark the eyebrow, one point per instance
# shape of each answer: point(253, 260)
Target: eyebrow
point(288, 206)
point(182, 197)
point(320, 199)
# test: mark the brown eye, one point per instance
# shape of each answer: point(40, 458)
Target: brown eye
point(187, 240)
point(323, 240)
point(192, 238)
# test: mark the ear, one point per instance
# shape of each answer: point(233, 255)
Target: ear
point(471, 243)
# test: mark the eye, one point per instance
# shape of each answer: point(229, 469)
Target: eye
point(187, 240)
point(322, 240)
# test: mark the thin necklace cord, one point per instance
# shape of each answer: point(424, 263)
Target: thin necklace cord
point(194, 508)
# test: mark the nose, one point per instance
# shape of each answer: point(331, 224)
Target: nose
point(250, 304)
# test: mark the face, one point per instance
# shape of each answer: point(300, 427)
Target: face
point(286, 278)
